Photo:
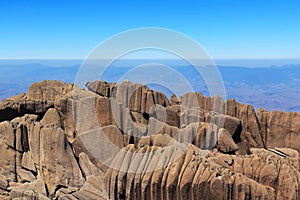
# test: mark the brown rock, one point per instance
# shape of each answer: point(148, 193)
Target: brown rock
point(48, 90)
point(27, 161)
point(134, 96)
point(181, 172)
point(251, 129)
point(125, 141)
point(101, 87)
point(158, 127)
point(25, 176)
point(90, 190)
point(225, 142)
point(12, 109)
point(165, 114)
point(86, 166)
point(288, 184)
point(174, 100)
point(57, 163)
point(51, 117)
point(280, 129)
point(33, 190)
point(3, 182)
point(64, 107)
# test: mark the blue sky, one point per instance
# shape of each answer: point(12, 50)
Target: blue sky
point(70, 29)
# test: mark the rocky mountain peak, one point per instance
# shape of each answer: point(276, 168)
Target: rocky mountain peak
point(126, 141)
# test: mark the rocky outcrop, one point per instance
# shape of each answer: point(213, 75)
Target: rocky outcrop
point(280, 129)
point(10, 109)
point(225, 142)
point(136, 97)
point(251, 135)
point(180, 171)
point(126, 141)
point(48, 90)
point(38, 154)
point(40, 98)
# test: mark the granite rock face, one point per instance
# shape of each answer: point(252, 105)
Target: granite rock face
point(191, 173)
point(280, 129)
point(125, 141)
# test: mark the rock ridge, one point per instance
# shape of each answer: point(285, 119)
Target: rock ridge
point(126, 141)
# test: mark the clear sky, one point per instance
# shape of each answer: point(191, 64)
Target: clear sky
point(70, 29)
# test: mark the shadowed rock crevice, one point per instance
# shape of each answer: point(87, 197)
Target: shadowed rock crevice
point(237, 134)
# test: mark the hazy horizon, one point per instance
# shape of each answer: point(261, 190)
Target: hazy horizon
point(272, 88)
point(252, 63)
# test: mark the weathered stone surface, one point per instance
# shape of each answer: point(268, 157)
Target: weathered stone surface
point(57, 163)
point(280, 129)
point(165, 114)
point(249, 127)
point(197, 100)
point(251, 135)
point(12, 109)
point(51, 117)
point(125, 141)
point(225, 142)
point(92, 189)
point(86, 166)
point(174, 100)
point(102, 88)
point(64, 107)
point(182, 172)
point(48, 90)
point(42, 151)
point(3, 182)
point(27, 161)
point(25, 176)
point(33, 190)
point(157, 127)
point(134, 96)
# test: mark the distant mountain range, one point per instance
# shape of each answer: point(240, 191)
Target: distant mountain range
point(273, 88)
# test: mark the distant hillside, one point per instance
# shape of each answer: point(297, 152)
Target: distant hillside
point(274, 88)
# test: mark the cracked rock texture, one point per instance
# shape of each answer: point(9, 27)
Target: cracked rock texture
point(126, 141)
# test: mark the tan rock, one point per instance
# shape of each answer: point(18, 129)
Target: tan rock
point(251, 129)
point(51, 117)
point(64, 106)
point(57, 163)
point(86, 166)
point(101, 87)
point(3, 182)
point(33, 190)
point(225, 142)
point(12, 109)
point(25, 176)
point(48, 90)
point(174, 100)
point(280, 129)
point(27, 161)
point(175, 174)
point(125, 141)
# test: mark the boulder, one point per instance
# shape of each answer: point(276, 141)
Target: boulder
point(225, 142)
point(48, 90)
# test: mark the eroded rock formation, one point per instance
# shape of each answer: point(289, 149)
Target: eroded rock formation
point(125, 141)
